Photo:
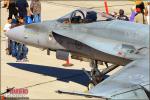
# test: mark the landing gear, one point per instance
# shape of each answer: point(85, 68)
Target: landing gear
point(95, 75)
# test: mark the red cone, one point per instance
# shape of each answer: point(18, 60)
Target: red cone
point(67, 64)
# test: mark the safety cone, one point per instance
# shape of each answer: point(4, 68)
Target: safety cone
point(67, 64)
point(2, 97)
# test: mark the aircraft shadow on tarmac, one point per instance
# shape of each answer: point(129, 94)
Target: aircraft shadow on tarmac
point(65, 75)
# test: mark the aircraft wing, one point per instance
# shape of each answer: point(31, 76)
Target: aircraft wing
point(132, 82)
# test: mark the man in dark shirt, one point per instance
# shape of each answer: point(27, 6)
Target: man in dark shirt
point(23, 7)
point(122, 16)
point(12, 9)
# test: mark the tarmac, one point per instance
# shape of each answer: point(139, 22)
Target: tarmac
point(43, 75)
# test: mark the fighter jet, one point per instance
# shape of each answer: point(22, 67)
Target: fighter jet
point(96, 37)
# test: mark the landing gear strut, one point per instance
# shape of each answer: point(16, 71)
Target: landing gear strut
point(95, 75)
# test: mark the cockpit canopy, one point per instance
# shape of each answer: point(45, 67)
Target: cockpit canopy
point(84, 16)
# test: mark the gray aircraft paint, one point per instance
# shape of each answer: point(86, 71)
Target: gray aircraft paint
point(38, 35)
point(100, 40)
point(127, 82)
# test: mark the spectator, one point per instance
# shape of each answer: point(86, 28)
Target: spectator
point(7, 27)
point(140, 7)
point(22, 50)
point(13, 48)
point(141, 12)
point(35, 8)
point(12, 9)
point(19, 52)
point(23, 8)
point(122, 16)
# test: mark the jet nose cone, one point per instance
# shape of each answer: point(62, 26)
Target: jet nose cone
point(15, 33)
point(8, 33)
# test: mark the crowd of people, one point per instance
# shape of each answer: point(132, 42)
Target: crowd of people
point(139, 13)
point(20, 13)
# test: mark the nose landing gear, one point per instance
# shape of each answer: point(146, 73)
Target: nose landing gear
point(95, 75)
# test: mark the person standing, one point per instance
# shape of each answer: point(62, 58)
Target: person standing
point(22, 50)
point(12, 9)
point(141, 12)
point(35, 8)
point(23, 8)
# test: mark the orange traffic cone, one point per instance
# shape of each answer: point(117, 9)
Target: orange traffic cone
point(67, 64)
point(2, 97)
